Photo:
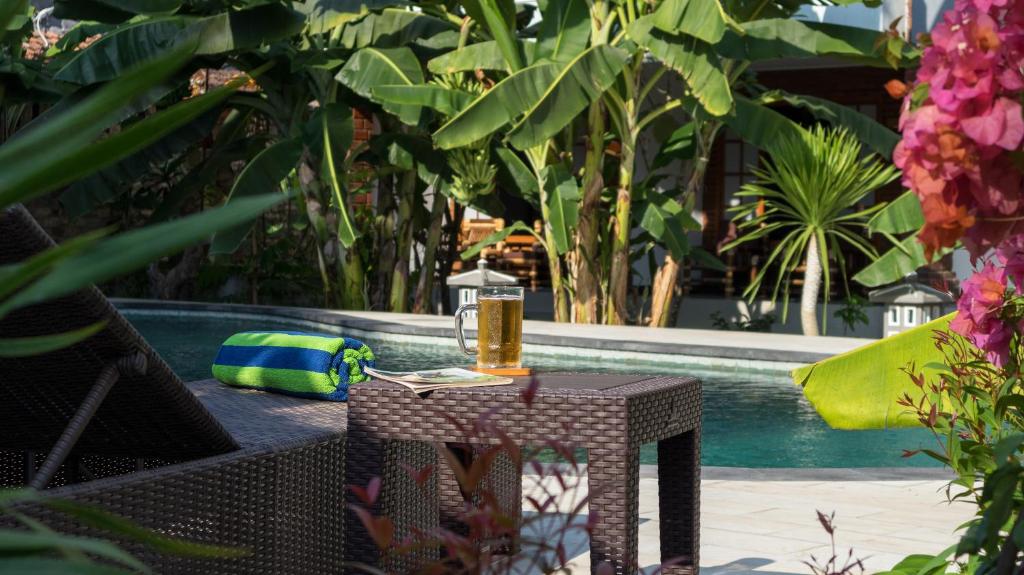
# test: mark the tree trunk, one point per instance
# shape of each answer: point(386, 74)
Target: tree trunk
point(386, 249)
point(425, 289)
point(616, 312)
point(587, 278)
point(353, 278)
point(811, 287)
point(399, 301)
point(664, 284)
point(561, 298)
point(662, 291)
point(451, 252)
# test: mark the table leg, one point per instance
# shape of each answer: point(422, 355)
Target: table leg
point(614, 481)
point(503, 481)
point(679, 500)
point(412, 508)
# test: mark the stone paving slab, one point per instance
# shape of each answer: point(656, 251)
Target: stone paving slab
point(769, 527)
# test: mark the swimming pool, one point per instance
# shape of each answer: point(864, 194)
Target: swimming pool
point(750, 419)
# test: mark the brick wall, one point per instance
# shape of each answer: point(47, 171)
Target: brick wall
point(363, 129)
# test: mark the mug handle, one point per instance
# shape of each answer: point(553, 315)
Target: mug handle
point(460, 334)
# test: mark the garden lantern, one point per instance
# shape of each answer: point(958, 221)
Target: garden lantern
point(908, 304)
point(468, 282)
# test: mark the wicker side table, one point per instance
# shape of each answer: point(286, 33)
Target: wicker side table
point(610, 416)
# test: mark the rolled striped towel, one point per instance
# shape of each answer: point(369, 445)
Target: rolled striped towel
point(295, 363)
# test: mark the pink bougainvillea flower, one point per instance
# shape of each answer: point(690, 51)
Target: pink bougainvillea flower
point(945, 223)
point(1011, 255)
point(956, 145)
point(1000, 125)
point(978, 313)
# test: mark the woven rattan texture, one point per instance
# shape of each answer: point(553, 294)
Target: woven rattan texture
point(282, 505)
point(150, 415)
point(610, 422)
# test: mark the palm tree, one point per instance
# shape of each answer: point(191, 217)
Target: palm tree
point(806, 193)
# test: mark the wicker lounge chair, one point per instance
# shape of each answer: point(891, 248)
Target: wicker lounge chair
point(106, 422)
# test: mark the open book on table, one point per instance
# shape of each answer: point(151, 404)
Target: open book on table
point(433, 379)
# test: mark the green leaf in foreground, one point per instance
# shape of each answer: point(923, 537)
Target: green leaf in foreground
point(132, 250)
point(15, 276)
point(28, 173)
point(859, 389)
point(101, 519)
point(35, 345)
point(18, 541)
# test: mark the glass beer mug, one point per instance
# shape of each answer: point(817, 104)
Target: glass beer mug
point(499, 341)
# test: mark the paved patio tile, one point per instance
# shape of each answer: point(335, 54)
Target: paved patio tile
point(770, 527)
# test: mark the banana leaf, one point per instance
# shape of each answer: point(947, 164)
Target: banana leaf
point(372, 67)
point(109, 183)
point(774, 38)
point(902, 215)
point(480, 56)
point(395, 28)
point(10, 11)
point(859, 389)
point(496, 107)
point(498, 16)
point(760, 125)
point(325, 15)
point(691, 58)
point(552, 105)
point(110, 11)
point(261, 176)
point(564, 29)
point(704, 19)
point(70, 133)
point(122, 49)
point(902, 259)
point(875, 135)
point(563, 196)
point(445, 100)
point(248, 28)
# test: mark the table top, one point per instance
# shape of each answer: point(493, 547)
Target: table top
point(588, 409)
point(554, 384)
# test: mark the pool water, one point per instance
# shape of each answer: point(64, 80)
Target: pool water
point(750, 419)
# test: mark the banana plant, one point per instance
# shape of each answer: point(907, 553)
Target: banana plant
point(308, 148)
point(752, 33)
point(589, 56)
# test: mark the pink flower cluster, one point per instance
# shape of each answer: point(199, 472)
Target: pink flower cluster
point(982, 317)
point(956, 141)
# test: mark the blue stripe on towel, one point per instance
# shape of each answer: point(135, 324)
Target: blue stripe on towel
point(275, 357)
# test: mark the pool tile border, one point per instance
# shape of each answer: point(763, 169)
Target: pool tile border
point(728, 350)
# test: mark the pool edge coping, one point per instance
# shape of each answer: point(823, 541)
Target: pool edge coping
point(817, 474)
point(709, 355)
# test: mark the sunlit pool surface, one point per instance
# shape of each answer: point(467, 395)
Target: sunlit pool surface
point(750, 419)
